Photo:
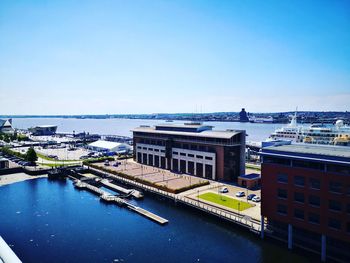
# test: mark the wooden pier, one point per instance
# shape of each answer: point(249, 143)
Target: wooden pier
point(105, 196)
point(132, 192)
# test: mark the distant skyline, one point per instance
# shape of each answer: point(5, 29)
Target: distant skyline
point(134, 57)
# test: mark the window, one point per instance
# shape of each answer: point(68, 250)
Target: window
point(183, 154)
point(314, 200)
point(342, 169)
point(299, 181)
point(334, 205)
point(299, 197)
point(175, 153)
point(199, 156)
point(157, 150)
point(314, 218)
point(190, 155)
point(282, 193)
point(208, 158)
point(282, 209)
point(298, 213)
point(138, 147)
point(334, 223)
point(282, 178)
point(308, 164)
point(280, 161)
point(163, 151)
point(315, 183)
point(335, 187)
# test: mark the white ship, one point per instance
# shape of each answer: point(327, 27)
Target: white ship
point(338, 134)
point(254, 119)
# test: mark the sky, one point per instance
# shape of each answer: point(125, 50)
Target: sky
point(151, 56)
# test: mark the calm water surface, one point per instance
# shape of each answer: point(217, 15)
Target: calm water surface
point(47, 221)
point(255, 131)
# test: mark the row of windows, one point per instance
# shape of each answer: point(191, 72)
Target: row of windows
point(233, 139)
point(314, 183)
point(313, 200)
point(332, 168)
point(150, 149)
point(192, 155)
point(311, 217)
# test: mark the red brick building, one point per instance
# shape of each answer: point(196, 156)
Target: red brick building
point(192, 148)
point(306, 197)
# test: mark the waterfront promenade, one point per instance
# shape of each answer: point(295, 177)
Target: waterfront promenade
point(188, 198)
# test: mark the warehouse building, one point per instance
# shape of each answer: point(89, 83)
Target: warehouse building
point(111, 147)
point(192, 148)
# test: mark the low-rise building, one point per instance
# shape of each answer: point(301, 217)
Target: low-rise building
point(107, 146)
point(192, 148)
point(43, 130)
point(6, 126)
point(4, 163)
point(306, 197)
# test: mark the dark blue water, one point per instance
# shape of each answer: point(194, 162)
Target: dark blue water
point(48, 221)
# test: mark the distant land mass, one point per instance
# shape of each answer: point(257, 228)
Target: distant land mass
point(275, 117)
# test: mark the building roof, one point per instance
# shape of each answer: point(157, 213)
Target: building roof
point(106, 144)
point(207, 133)
point(311, 152)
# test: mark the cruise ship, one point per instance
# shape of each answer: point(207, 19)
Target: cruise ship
point(338, 134)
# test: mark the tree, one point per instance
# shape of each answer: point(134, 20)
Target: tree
point(31, 155)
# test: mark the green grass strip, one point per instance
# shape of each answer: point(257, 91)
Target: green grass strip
point(225, 201)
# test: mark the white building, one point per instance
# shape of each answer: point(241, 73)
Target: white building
point(6, 126)
point(107, 146)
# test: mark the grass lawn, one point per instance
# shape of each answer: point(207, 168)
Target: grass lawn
point(225, 201)
point(252, 166)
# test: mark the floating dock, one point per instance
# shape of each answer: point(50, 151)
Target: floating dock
point(132, 192)
point(105, 196)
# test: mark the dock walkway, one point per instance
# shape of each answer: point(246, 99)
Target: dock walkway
point(112, 198)
point(238, 218)
point(134, 193)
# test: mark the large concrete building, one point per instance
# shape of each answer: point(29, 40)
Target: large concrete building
point(192, 148)
point(306, 197)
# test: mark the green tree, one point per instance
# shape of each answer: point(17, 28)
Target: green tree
point(6, 138)
point(31, 155)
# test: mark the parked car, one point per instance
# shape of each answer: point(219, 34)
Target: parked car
point(84, 157)
point(256, 199)
point(251, 196)
point(115, 164)
point(240, 194)
point(223, 190)
point(106, 163)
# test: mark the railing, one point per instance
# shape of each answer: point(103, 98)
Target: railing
point(241, 219)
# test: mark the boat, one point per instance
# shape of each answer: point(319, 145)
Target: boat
point(337, 134)
point(254, 119)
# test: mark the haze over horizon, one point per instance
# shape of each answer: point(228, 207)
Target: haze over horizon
point(125, 57)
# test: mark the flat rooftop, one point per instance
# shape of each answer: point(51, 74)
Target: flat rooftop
point(205, 133)
point(311, 149)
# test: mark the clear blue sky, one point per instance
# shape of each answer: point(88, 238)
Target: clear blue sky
point(96, 57)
